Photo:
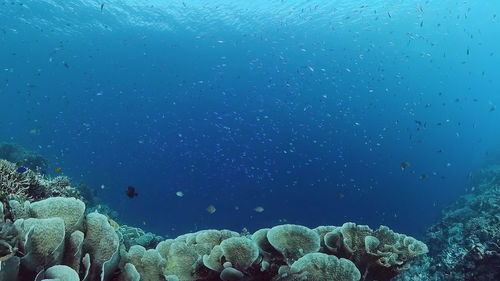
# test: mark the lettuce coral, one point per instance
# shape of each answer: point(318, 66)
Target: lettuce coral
point(241, 252)
point(58, 237)
point(70, 210)
point(102, 243)
point(319, 266)
point(293, 241)
point(380, 254)
point(44, 242)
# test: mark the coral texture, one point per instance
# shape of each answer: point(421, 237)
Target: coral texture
point(30, 185)
point(465, 244)
point(53, 238)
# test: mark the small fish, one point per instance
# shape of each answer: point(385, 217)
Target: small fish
point(404, 165)
point(179, 194)
point(58, 170)
point(21, 170)
point(389, 14)
point(102, 7)
point(340, 195)
point(35, 131)
point(102, 186)
point(236, 208)
point(259, 209)
point(423, 176)
point(211, 209)
point(131, 192)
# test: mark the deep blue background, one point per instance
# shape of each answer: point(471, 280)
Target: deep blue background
point(279, 104)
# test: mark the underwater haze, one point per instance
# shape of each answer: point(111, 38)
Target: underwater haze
point(307, 112)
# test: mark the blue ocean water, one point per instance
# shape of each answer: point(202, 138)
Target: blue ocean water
point(305, 109)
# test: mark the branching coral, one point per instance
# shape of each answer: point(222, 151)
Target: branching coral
point(30, 185)
point(17, 185)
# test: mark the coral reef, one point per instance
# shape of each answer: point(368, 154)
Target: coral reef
point(465, 244)
point(47, 232)
point(30, 185)
point(17, 154)
point(101, 208)
point(54, 239)
point(89, 197)
point(131, 236)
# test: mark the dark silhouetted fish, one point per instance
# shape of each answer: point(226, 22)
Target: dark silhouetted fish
point(404, 165)
point(131, 192)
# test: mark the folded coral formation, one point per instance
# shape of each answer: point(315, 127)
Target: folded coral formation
point(48, 234)
point(54, 239)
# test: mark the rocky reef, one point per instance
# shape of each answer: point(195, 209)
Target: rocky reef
point(465, 244)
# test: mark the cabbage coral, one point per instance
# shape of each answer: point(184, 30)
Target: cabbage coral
point(60, 241)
